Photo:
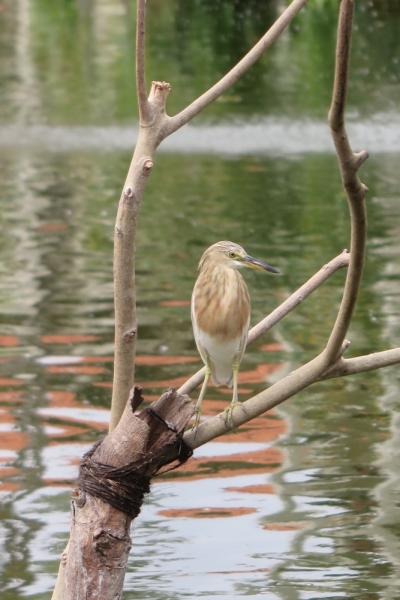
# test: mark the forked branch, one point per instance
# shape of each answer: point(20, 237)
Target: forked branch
point(330, 362)
point(155, 126)
point(362, 364)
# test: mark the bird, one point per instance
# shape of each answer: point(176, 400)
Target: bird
point(220, 310)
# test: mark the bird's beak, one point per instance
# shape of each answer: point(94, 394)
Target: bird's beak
point(251, 262)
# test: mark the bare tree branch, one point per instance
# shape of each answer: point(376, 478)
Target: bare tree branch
point(290, 385)
point(340, 261)
point(124, 252)
point(155, 125)
point(238, 70)
point(361, 364)
point(287, 387)
point(355, 190)
point(144, 111)
point(330, 361)
point(124, 302)
point(114, 477)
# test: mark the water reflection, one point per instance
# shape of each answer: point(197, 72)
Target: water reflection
point(302, 502)
point(297, 490)
point(190, 44)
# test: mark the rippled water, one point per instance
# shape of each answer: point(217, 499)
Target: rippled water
point(301, 503)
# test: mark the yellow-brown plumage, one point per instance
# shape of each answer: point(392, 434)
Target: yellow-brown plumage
point(221, 313)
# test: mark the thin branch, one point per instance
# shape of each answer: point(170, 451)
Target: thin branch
point(125, 255)
point(125, 230)
point(144, 109)
point(361, 364)
point(355, 190)
point(287, 387)
point(280, 391)
point(124, 303)
point(340, 261)
point(330, 362)
point(238, 70)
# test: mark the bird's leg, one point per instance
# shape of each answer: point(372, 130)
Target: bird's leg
point(235, 397)
point(197, 410)
point(235, 369)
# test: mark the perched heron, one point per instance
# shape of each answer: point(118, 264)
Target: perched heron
point(221, 315)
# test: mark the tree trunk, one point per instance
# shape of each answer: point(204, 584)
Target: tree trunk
point(114, 477)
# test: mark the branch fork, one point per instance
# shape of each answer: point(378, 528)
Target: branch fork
point(155, 126)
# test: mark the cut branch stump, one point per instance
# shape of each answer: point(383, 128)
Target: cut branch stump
point(114, 478)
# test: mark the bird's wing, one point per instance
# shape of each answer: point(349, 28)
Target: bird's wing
point(196, 332)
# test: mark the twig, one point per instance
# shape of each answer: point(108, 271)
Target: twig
point(340, 261)
point(361, 364)
point(349, 164)
point(238, 70)
point(144, 110)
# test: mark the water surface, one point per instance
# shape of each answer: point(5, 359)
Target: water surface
point(302, 502)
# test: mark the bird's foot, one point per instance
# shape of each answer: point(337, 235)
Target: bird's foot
point(229, 414)
point(197, 413)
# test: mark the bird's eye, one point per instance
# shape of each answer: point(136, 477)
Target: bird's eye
point(232, 254)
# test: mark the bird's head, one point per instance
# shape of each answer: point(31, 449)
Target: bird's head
point(231, 255)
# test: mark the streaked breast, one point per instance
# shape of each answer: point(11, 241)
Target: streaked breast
point(221, 303)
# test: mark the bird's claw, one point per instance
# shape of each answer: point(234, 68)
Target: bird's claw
point(229, 414)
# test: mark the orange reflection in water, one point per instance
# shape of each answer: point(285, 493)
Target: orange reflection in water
point(265, 488)
point(11, 396)
point(75, 369)
point(273, 347)
point(263, 431)
point(71, 425)
point(206, 513)
point(52, 227)
point(64, 407)
point(66, 338)
point(8, 340)
point(283, 526)
point(6, 381)
point(174, 303)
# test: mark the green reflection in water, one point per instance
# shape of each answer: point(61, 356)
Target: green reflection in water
point(78, 58)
